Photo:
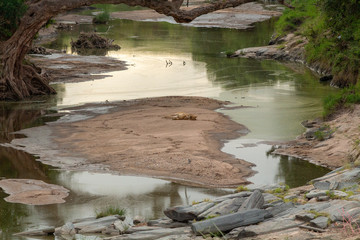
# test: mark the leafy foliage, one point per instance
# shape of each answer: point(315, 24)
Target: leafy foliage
point(102, 18)
point(342, 99)
point(333, 30)
point(10, 14)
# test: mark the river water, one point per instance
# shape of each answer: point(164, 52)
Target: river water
point(280, 97)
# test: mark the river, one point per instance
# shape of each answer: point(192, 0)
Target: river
point(280, 97)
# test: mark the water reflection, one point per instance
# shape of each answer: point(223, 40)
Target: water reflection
point(280, 98)
point(273, 168)
point(146, 197)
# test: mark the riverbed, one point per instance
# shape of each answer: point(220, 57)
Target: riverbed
point(279, 97)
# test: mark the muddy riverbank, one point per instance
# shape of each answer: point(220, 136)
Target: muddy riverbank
point(333, 143)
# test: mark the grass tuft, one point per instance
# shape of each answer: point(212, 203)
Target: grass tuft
point(109, 211)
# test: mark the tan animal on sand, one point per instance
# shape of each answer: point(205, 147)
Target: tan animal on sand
point(182, 116)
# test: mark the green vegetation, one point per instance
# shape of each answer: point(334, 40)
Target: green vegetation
point(281, 192)
point(343, 99)
point(109, 210)
point(319, 214)
point(102, 18)
point(10, 14)
point(241, 188)
point(332, 28)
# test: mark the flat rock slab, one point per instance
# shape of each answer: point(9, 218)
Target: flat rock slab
point(38, 232)
point(33, 192)
point(276, 225)
point(320, 222)
point(153, 234)
point(229, 222)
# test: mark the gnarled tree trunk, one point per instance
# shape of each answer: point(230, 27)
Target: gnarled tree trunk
point(19, 80)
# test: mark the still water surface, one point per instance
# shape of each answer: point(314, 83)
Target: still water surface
point(279, 96)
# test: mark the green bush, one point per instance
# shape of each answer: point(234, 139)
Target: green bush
point(10, 13)
point(102, 18)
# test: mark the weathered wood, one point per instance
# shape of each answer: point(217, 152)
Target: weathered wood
point(229, 222)
point(256, 200)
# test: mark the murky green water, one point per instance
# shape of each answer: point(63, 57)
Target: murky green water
point(280, 98)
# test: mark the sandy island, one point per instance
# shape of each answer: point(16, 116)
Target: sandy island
point(140, 138)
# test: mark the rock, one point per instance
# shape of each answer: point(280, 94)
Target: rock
point(138, 220)
point(141, 229)
point(276, 225)
point(355, 197)
point(340, 208)
point(308, 124)
point(153, 234)
point(223, 208)
point(83, 237)
point(229, 222)
point(84, 220)
point(316, 193)
point(291, 197)
point(105, 221)
point(306, 217)
point(323, 198)
point(256, 200)
point(322, 185)
point(338, 176)
point(186, 213)
point(339, 194)
point(270, 198)
point(179, 237)
point(310, 133)
point(319, 222)
point(279, 208)
point(92, 229)
point(110, 231)
point(121, 226)
point(38, 232)
point(231, 196)
point(67, 229)
point(166, 223)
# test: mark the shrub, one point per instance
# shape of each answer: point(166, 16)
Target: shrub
point(10, 14)
point(102, 18)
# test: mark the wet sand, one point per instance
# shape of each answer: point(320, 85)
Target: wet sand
point(140, 138)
